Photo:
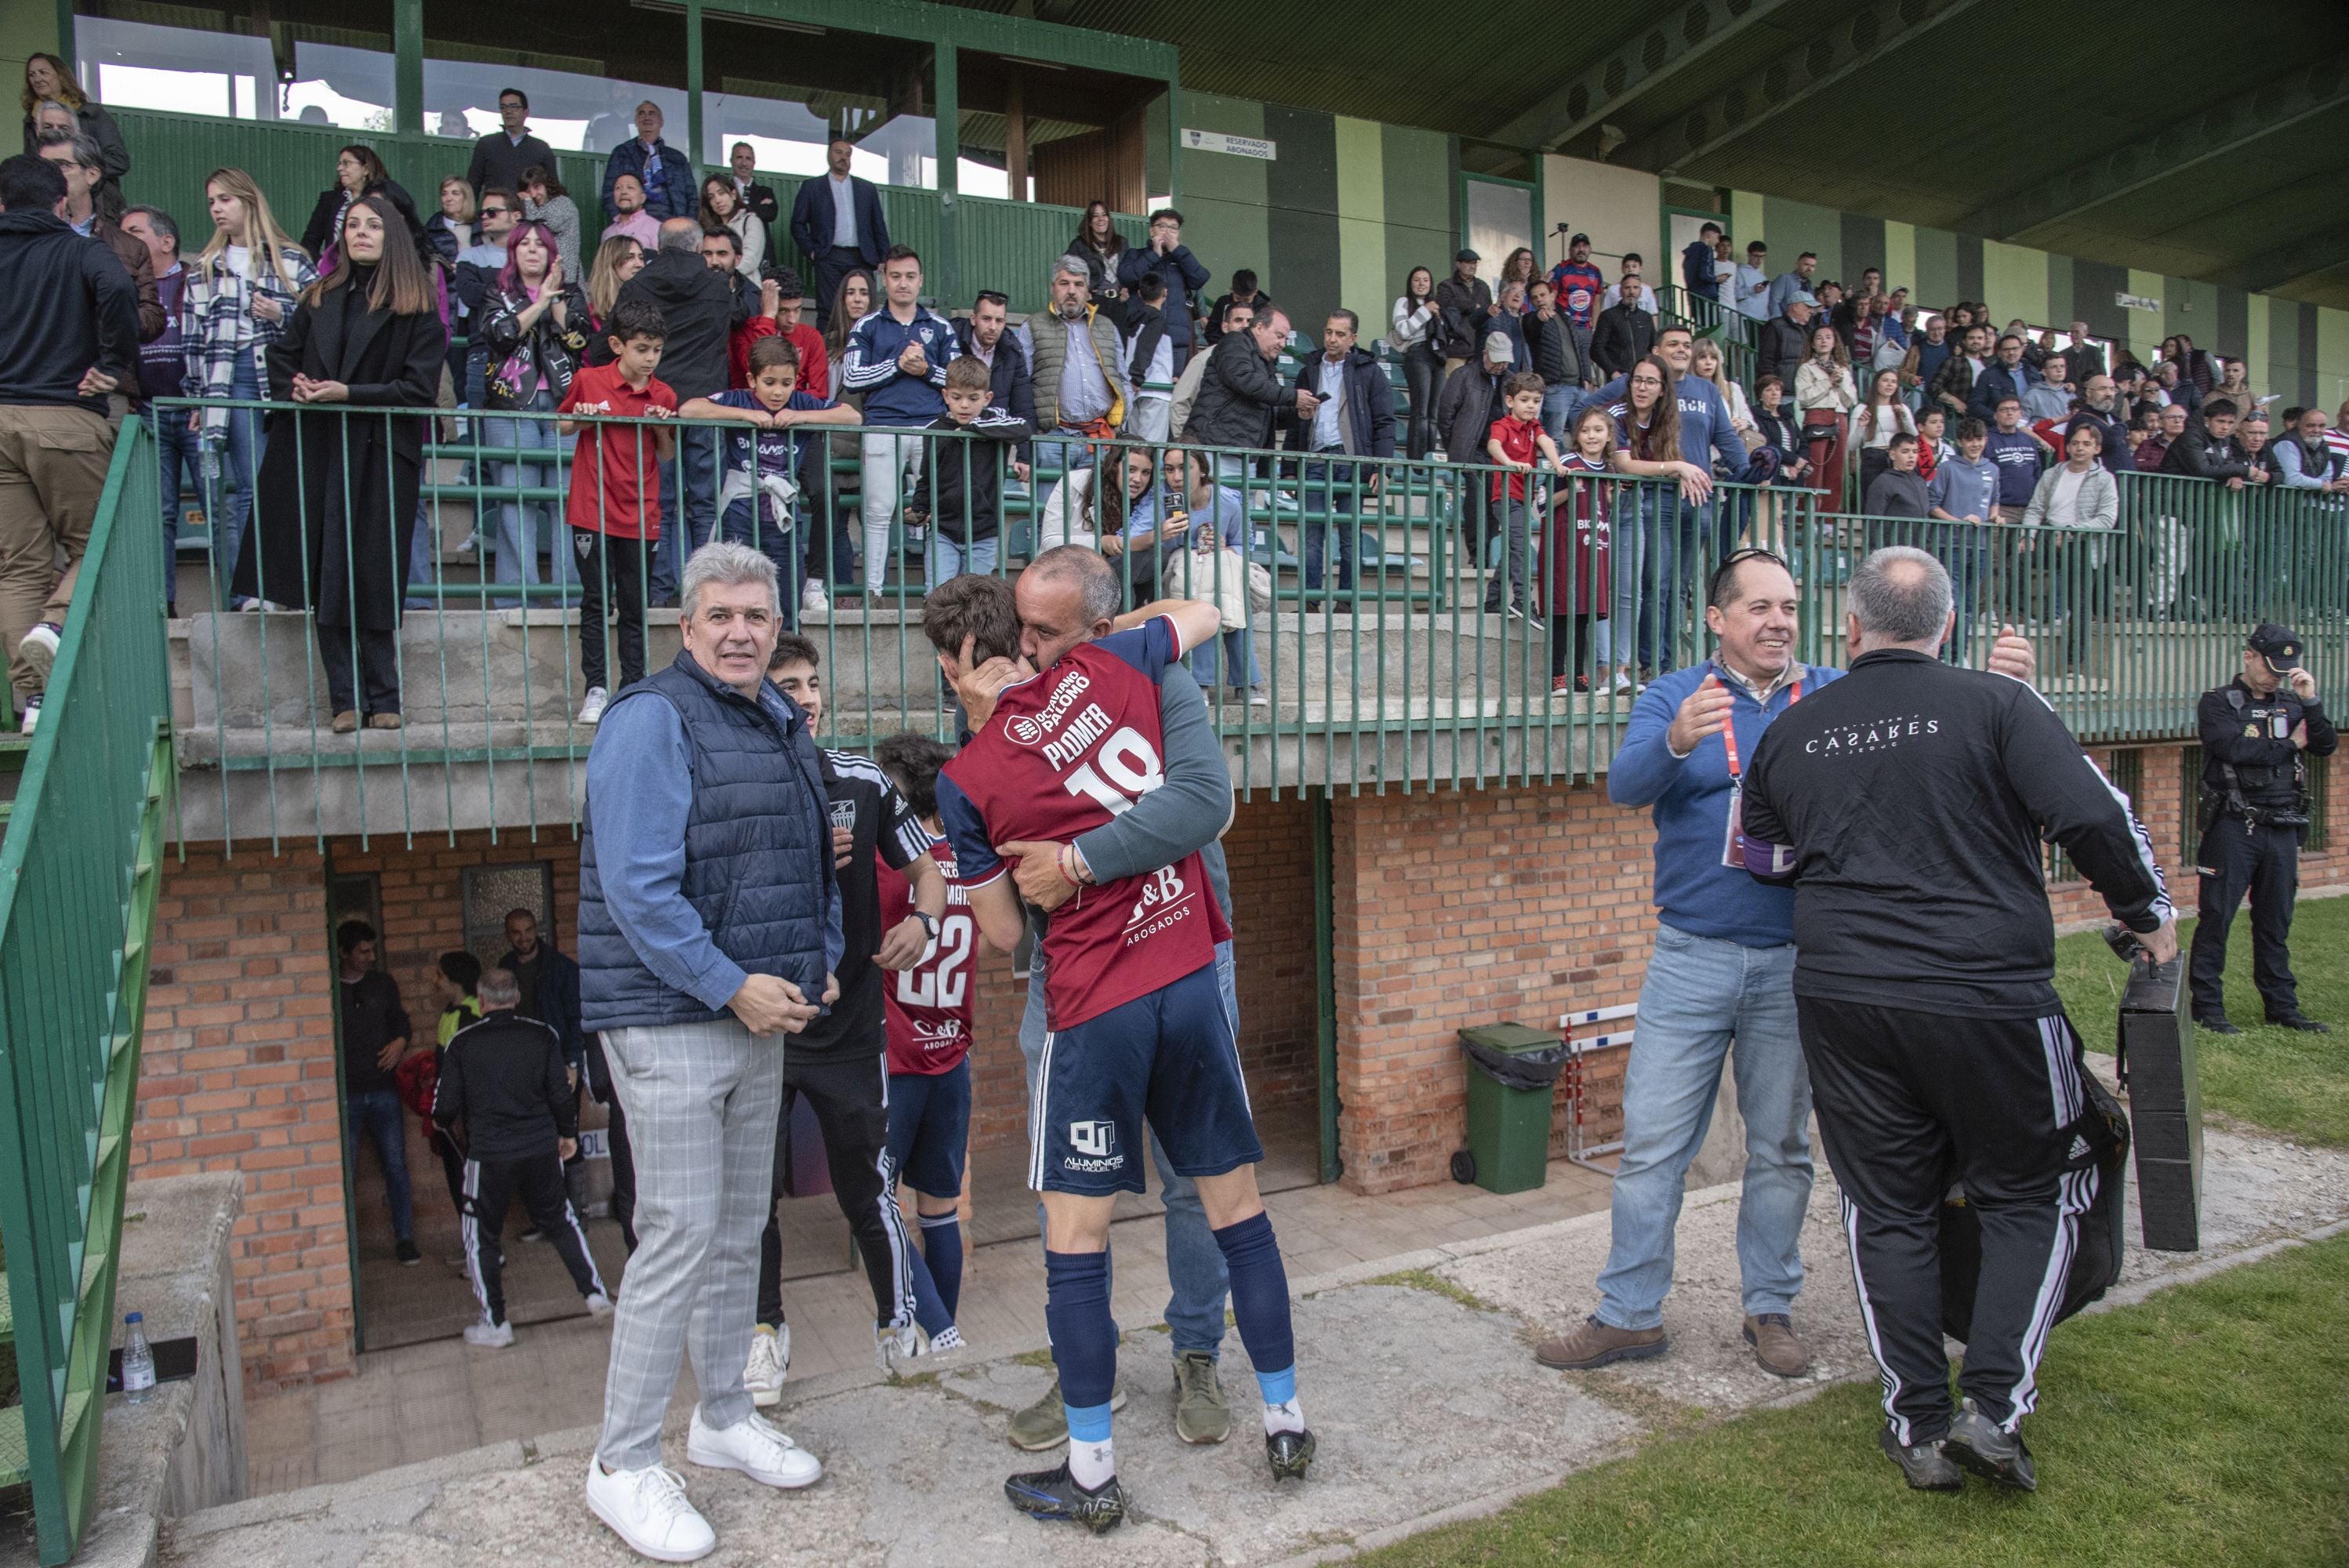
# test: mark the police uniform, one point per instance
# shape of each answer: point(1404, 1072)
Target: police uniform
point(2254, 809)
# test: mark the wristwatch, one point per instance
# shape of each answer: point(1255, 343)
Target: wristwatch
point(929, 923)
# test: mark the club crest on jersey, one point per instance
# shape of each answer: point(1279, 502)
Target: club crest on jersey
point(1095, 1145)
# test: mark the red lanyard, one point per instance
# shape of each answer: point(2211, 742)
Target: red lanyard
point(1729, 730)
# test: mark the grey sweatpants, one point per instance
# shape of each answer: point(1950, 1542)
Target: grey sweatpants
point(701, 1101)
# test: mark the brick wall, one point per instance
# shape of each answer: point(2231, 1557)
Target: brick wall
point(239, 1071)
point(1464, 907)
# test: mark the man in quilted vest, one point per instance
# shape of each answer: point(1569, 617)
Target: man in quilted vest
point(709, 930)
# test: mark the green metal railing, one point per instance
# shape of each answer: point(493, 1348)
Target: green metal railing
point(77, 884)
point(1396, 677)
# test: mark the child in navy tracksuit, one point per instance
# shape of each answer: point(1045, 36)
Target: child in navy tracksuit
point(760, 464)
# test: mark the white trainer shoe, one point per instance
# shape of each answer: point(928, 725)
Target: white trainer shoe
point(598, 1304)
point(754, 1446)
point(814, 600)
point(770, 1358)
point(649, 1510)
point(488, 1335)
point(38, 648)
point(893, 1345)
point(592, 710)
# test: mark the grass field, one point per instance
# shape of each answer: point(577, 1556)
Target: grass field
point(2290, 1083)
point(2207, 1425)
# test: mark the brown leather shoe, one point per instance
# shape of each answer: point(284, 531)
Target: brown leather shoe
point(383, 721)
point(346, 721)
point(1596, 1344)
point(1775, 1349)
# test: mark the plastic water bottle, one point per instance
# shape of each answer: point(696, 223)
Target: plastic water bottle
point(138, 1359)
point(210, 462)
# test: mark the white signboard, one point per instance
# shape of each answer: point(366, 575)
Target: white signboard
point(2138, 302)
point(1237, 146)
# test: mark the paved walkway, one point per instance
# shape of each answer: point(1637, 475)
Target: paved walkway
point(1417, 1378)
point(422, 1401)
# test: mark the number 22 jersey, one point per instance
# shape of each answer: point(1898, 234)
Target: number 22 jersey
point(929, 1005)
point(1065, 751)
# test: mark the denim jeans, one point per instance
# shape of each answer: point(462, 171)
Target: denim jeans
point(1329, 486)
point(1700, 993)
point(1197, 1281)
point(377, 1114)
point(696, 467)
point(778, 543)
point(945, 559)
point(180, 451)
point(1557, 402)
point(524, 525)
point(1645, 592)
point(1511, 574)
point(227, 513)
point(1241, 646)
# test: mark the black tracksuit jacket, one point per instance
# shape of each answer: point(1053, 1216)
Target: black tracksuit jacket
point(1916, 797)
point(504, 1076)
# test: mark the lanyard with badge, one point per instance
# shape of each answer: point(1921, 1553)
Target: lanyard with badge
point(1733, 843)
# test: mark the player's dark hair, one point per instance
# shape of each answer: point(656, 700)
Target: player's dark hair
point(350, 933)
point(767, 352)
point(790, 648)
point(975, 606)
point(635, 318)
point(913, 762)
point(463, 969)
point(1973, 429)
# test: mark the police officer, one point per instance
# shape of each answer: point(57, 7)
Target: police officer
point(2254, 810)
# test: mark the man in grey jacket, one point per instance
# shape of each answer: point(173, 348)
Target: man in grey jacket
point(1068, 596)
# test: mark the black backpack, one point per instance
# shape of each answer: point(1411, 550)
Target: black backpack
point(2101, 1140)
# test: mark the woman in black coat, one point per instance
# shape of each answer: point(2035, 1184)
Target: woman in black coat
point(336, 507)
point(358, 172)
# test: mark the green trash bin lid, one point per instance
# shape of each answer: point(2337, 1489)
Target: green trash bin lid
point(1510, 1037)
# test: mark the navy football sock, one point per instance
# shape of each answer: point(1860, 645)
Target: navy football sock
point(1260, 1302)
point(942, 1250)
point(1084, 1336)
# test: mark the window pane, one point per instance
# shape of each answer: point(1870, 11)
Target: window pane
point(585, 69)
point(1500, 219)
point(190, 70)
point(571, 112)
point(814, 82)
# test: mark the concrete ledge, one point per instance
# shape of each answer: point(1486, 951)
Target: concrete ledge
point(183, 1448)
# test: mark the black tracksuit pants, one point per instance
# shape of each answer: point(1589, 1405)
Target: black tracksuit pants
point(1909, 1103)
point(2266, 861)
point(850, 1097)
point(489, 1186)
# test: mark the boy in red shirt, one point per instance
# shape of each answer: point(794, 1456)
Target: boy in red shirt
point(780, 299)
point(1512, 442)
point(615, 505)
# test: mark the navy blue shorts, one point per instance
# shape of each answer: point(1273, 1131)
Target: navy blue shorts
point(1167, 1061)
point(929, 1128)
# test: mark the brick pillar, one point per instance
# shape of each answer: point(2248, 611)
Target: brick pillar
point(239, 1073)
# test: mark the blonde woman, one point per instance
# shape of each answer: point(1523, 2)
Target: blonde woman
point(450, 229)
point(618, 260)
point(240, 291)
point(1824, 399)
point(1708, 363)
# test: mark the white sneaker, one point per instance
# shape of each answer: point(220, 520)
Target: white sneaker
point(598, 1304)
point(649, 1510)
point(813, 600)
point(891, 1346)
point(592, 710)
point(755, 1447)
point(28, 720)
point(38, 648)
point(771, 1359)
point(1623, 687)
point(488, 1335)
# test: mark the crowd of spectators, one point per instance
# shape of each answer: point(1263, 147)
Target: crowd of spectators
point(1786, 382)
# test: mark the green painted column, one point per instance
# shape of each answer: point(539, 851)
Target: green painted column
point(407, 67)
point(946, 92)
point(693, 86)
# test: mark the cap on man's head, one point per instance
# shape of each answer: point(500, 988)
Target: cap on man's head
point(1498, 346)
point(2279, 645)
point(1579, 240)
point(1803, 296)
point(1467, 255)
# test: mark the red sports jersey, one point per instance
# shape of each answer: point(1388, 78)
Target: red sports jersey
point(929, 1005)
point(1067, 751)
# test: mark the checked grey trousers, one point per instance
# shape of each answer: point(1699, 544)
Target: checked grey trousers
point(701, 1101)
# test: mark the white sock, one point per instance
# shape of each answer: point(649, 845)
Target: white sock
point(1091, 1465)
point(1286, 1417)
